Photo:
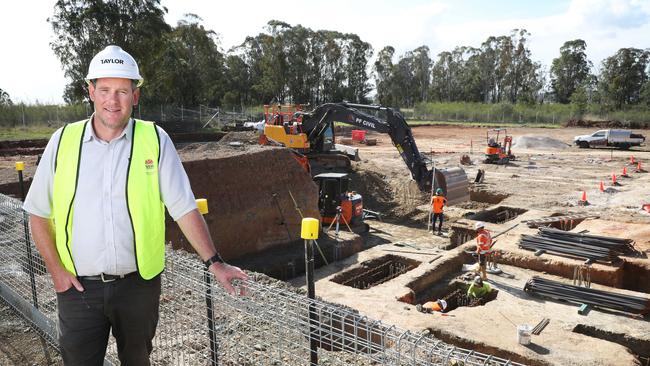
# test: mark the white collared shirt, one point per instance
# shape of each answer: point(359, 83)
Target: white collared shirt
point(102, 238)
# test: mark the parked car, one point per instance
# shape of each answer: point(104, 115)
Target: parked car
point(623, 139)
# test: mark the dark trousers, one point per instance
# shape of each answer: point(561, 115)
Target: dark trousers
point(128, 307)
point(437, 216)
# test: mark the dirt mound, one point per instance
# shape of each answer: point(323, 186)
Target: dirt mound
point(605, 124)
point(247, 188)
point(539, 142)
point(395, 197)
point(233, 143)
point(246, 137)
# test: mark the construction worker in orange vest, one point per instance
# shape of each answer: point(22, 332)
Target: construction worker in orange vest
point(438, 202)
point(431, 306)
point(483, 246)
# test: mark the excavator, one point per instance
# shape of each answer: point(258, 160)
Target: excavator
point(313, 134)
point(498, 152)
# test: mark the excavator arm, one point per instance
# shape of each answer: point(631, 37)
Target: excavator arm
point(315, 124)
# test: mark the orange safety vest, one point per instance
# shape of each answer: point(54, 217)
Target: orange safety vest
point(438, 202)
point(483, 241)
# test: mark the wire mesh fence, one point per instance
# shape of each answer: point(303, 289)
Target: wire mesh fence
point(172, 118)
point(200, 324)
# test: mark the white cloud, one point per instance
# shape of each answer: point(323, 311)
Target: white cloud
point(606, 26)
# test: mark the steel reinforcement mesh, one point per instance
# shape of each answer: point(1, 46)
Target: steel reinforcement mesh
point(269, 325)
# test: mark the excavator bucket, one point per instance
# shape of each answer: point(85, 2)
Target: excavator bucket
point(454, 184)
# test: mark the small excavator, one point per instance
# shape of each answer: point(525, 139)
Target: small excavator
point(498, 152)
point(338, 204)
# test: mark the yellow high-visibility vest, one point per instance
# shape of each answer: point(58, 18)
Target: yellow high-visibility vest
point(145, 208)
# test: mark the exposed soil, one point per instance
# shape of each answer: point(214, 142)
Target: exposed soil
point(20, 344)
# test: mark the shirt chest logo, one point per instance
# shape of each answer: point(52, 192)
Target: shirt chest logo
point(148, 165)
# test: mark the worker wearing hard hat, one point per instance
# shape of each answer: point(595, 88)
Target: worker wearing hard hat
point(438, 202)
point(483, 245)
point(97, 214)
point(478, 288)
point(439, 305)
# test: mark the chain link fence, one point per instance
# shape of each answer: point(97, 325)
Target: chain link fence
point(171, 118)
point(200, 324)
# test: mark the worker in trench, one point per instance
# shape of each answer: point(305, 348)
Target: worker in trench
point(97, 215)
point(483, 247)
point(438, 203)
point(478, 288)
point(439, 305)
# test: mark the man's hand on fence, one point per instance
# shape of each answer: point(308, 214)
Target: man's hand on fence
point(63, 280)
point(225, 274)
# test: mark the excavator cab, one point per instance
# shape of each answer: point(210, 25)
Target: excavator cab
point(337, 202)
point(498, 152)
point(281, 125)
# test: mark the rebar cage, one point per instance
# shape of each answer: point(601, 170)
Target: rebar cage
point(201, 324)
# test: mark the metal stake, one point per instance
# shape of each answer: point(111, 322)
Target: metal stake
point(28, 244)
point(214, 357)
point(311, 293)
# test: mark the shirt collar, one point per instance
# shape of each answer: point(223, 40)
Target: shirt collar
point(89, 133)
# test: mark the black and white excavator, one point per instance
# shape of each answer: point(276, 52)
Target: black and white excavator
point(318, 125)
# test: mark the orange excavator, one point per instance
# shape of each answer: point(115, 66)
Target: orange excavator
point(498, 152)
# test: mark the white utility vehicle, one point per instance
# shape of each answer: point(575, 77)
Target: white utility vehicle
point(623, 139)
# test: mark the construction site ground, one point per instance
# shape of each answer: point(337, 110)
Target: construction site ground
point(547, 178)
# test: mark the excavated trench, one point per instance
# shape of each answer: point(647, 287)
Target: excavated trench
point(375, 271)
point(498, 215)
point(628, 274)
point(460, 235)
point(453, 291)
point(435, 280)
point(566, 225)
point(13, 189)
point(640, 347)
point(487, 196)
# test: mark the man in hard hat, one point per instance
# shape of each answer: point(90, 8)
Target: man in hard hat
point(478, 288)
point(438, 202)
point(483, 246)
point(439, 305)
point(97, 214)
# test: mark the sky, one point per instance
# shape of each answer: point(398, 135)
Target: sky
point(30, 72)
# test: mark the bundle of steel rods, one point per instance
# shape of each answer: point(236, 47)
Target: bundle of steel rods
point(618, 245)
point(597, 248)
point(582, 295)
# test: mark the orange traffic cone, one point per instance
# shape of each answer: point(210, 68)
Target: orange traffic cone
point(602, 186)
point(639, 169)
point(583, 199)
point(614, 182)
point(632, 162)
point(624, 173)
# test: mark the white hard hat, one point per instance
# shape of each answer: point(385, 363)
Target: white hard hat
point(443, 304)
point(479, 225)
point(113, 62)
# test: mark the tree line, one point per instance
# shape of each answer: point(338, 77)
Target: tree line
point(185, 65)
point(501, 70)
